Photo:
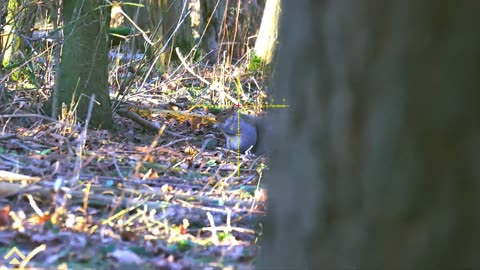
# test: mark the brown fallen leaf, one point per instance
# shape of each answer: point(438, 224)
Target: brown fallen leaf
point(5, 216)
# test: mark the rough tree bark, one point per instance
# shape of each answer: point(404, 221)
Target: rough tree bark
point(85, 61)
point(379, 160)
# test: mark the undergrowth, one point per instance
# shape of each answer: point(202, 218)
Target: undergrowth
point(171, 197)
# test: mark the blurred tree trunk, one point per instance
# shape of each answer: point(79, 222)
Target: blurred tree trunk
point(19, 20)
point(378, 158)
point(175, 13)
point(212, 14)
point(160, 18)
point(267, 35)
point(84, 66)
point(10, 40)
point(228, 26)
point(139, 14)
point(241, 21)
point(3, 14)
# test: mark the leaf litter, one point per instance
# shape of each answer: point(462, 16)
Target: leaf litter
point(132, 196)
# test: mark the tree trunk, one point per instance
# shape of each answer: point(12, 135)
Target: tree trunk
point(84, 66)
point(378, 158)
point(159, 19)
point(267, 35)
point(17, 22)
point(228, 26)
point(183, 39)
point(212, 15)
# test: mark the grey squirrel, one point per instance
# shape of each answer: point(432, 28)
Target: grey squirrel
point(253, 131)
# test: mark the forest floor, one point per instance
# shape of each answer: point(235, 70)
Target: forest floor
point(170, 198)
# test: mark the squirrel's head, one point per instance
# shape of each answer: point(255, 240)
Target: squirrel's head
point(224, 115)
